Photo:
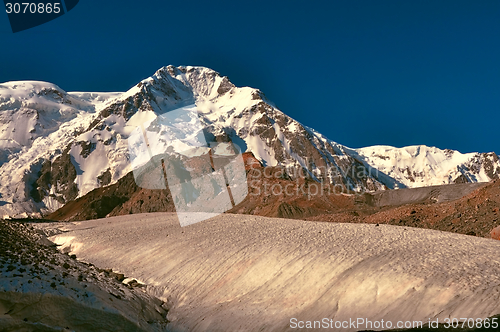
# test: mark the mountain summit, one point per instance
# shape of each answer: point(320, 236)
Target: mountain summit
point(57, 146)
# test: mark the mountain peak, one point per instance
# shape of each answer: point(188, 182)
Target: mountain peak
point(29, 91)
point(62, 145)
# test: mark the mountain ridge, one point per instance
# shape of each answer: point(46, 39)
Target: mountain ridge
point(87, 147)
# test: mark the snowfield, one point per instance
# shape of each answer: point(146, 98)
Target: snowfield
point(248, 273)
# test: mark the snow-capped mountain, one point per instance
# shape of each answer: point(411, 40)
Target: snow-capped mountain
point(421, 166)
point(56, 146)
point(37, 121)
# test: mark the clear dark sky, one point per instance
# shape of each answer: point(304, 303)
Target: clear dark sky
point(360, 72)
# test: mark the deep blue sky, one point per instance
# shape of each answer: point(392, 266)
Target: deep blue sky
point(360, 72)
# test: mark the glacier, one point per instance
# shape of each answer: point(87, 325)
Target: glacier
point(239, 272)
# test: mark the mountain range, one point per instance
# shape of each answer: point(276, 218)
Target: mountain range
point(57, 146)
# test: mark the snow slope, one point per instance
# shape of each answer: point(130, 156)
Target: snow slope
point(246, 273)
point(31, 109)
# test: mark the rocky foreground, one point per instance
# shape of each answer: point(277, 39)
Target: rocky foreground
point(42, 289)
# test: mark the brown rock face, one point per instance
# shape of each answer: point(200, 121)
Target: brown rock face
point(59, 175)
point(473, 214)
point(490, 165)
point(250, 161)
point(271, 193)
point(123, 197)
point(461, 179)
point(495, 233)
point(224, 86)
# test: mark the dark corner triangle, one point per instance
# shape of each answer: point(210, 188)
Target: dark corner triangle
point(27, 20)
point(70, 4)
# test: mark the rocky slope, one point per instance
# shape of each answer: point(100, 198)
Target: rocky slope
point(273, 194)
point(72, 143)
point(476, 213)
point(42, 289)
point(121, 198)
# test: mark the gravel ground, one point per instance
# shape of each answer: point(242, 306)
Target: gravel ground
point(42, 289)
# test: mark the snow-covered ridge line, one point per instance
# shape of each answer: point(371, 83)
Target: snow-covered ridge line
point(57, 146)
point(421, 166)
